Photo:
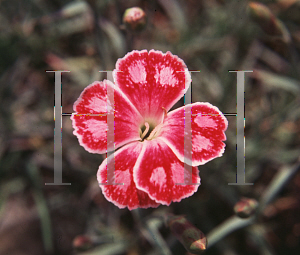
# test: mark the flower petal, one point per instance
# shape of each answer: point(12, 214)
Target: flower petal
point(91, 130)
point(126, 195)
point(208, 125)
point(157, 171)
point(152, 80)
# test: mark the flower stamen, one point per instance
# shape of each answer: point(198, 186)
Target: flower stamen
point(145, 131)
point(154, 132)
point(165, 111)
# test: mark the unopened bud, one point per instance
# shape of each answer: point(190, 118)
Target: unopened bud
point(82, 243)
point(265, 18)
point(245, 207)
point(135, 18)
point(191, 237)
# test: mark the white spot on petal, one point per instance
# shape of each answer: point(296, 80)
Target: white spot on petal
point(205, 121)
point(165, 76)
point(99, 104)
point(97, 128)
point(122, 177)
point(178, 172)
point(137, 72)
point(200, 142)
point(158, 177)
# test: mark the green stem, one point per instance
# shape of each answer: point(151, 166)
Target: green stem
point(151, 233)
point(278, 182)
point(152, 227)
point(235, 223)
point(42, 208)
point(227, 227)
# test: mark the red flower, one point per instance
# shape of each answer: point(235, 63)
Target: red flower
point(150, 157)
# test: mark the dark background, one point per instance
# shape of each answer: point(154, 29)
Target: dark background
point(88, 36)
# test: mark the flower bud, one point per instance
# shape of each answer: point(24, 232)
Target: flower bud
point(82, 243)
point(192, 238)
point(135, 18)
point(245, 207)
point(262, 15)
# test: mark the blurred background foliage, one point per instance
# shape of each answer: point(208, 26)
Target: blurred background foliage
point(213, 36)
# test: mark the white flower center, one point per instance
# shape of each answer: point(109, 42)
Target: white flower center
point(150, 131)
point(147, 132)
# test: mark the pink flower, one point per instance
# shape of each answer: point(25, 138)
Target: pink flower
point(150, 141)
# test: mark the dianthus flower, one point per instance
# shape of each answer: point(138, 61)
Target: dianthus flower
point(150, 156)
